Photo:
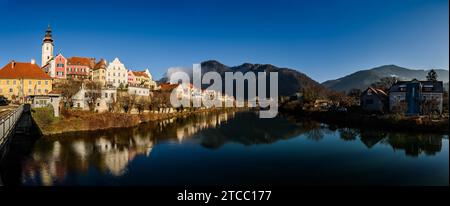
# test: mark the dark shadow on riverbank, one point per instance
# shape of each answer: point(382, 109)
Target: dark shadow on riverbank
point(19, 147)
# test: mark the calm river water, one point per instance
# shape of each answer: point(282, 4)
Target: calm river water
point(234, 149)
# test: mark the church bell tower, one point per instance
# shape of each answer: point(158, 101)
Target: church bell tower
point(47, 47)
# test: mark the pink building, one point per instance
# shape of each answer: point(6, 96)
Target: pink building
point(131, 78)
point(60, 67)
point(80, 67)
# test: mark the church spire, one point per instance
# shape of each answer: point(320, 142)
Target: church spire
point(48, 35)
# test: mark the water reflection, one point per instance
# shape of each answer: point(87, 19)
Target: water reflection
point(108, 151)
point(59, 159)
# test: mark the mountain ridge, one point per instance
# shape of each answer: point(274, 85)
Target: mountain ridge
point(364, 78)
point(289, 80)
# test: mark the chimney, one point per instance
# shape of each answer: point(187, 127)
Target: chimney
point(33, 61)
point(13, 63)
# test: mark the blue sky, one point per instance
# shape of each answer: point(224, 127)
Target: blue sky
point(324, 39)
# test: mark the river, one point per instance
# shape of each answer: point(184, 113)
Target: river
point(231, 149)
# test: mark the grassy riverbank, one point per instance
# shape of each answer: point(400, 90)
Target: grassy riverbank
point(76, 121)
point(390, 122)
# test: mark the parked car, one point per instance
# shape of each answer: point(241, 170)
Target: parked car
point(3, 101)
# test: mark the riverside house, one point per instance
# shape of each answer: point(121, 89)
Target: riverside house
point(374, 100)
point(415, 95)
point(107, 97)
point(18, 80)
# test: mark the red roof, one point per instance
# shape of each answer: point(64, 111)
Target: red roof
point(168, 87)
point(100, 64)
point(141, 74)
point(83, 61)
point(20, 70)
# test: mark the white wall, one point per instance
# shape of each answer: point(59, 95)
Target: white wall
point(116, 73)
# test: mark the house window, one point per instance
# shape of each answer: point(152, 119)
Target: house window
point(29, 82)
point(106, 95)
point(46, 91)
point(39, 90)
point(10, 90)
point(14, 82)
point(46, 82)
point(7, 81)
point(30, 90)
point(39, 82)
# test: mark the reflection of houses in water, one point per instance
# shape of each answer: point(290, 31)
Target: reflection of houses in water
point(46, 166)
point(50, 165)
point(201, 123)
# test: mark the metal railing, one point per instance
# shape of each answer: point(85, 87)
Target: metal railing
point(7, 123)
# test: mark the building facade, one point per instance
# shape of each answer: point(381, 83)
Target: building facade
point(138, 90)
point(374, 100)
point(60, 64)
point(414, 96)
point(116, 74)
point(99, 72)
point(102, 104)
point(80, 68)
point(18, 80)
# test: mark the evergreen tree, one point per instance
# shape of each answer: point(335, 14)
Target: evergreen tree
point(432, 75)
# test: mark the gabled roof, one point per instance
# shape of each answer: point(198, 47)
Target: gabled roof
point(82, 61)
point(21, 70)
point(378, 92)
point(437, 86)
point(100, 64)
point(140, 74)
point(168, 87)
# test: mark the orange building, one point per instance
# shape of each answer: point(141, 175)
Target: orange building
point(19, 80)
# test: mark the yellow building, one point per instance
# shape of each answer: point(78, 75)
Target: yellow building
point(18, 80)
point(99, 72)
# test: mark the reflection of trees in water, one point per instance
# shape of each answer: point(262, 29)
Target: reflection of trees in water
point(348, 134)
point(111, 151)
point(108, 151)
point(413, 144)
point(416, 144)
point(248, 129)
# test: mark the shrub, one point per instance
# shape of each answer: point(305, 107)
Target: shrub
point(43, 115)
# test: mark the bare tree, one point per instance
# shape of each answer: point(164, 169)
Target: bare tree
point(141, 104)
point(123, 101)
point(430, 107)
point(400, 107)
point(93, 93)
point(385, 83)
point(310, 94)
point(68, 89)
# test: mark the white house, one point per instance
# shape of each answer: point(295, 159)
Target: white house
point(81, 100)
point(116, 73)
point(52, 99)
point(152, 83)
point(139, 91)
